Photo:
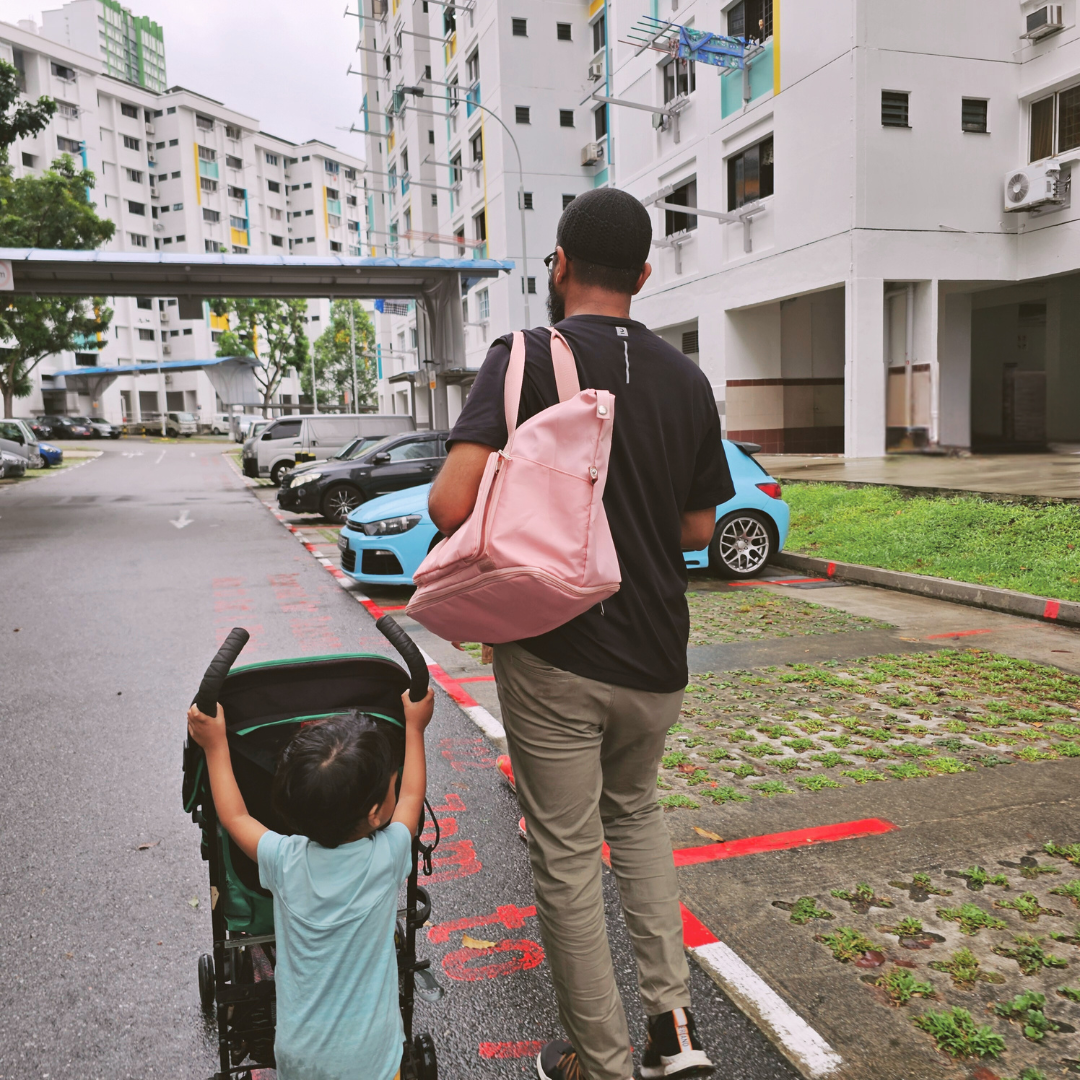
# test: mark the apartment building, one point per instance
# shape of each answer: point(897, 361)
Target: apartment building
point(895, 263)
point(177, 172)
point(499, 79)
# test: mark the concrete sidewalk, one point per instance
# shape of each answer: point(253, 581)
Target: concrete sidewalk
point(1048, 476)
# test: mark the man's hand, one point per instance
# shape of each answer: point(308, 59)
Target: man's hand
point(207, 731)
point(418, 713)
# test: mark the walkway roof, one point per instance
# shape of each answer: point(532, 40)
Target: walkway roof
point(165, 366)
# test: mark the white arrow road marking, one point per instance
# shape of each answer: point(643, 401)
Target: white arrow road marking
point(192, 454)
point(182, 521)
point(132, 453)
point(159, 457)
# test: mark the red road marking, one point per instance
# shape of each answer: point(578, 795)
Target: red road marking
point(508, 915)
point(451, 686)
point(477, 678)
point(830, 569)
point(452, 804)
point(736, 584)
point(395, 607)
point(372, 608)
point(792, 581)
point(694, 932)
point(461, 964)
point(958, 633)
point(454, 859)
point(510, 1049)
point(752, 845)
point(1052, 608)
point(467, 754)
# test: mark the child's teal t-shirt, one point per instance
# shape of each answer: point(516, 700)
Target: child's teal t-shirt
point(336, 972)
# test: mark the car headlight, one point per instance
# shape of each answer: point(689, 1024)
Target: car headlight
point(390, 526)
point(9, 458)
point(304, 478)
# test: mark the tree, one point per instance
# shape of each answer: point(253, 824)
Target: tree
point(52, 210)
point(270, 330)
point(19, 119)
point(334, 356)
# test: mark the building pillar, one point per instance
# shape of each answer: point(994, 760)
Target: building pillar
point(953, 340)
point(864, 368)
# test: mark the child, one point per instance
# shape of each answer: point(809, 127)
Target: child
point(335, 885)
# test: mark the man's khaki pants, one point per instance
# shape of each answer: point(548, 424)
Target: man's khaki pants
point(585, 757)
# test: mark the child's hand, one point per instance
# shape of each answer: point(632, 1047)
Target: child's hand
point(418, 713)
point(206, 730)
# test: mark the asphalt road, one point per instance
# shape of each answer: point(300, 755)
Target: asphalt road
point(120, 578)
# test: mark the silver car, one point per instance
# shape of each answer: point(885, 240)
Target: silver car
point(18, 438)
point(11, 465)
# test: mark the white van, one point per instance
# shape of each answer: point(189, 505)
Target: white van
point(315, 438)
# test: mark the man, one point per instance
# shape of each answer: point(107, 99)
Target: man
point(587, 706)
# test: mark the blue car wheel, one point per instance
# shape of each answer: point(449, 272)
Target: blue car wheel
point(742, 544)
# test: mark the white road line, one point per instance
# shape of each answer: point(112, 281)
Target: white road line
point(159, 457)
point(802, 1044)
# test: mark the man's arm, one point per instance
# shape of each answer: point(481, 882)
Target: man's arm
point(453, 495)
point(410, 802)
point(697, 528)
point(209, 733)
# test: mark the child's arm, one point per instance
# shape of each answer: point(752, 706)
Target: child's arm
point(209, 733)
point(410, 804)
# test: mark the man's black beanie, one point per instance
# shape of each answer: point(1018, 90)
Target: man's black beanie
point(607, 227)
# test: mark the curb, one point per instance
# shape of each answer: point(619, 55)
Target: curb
point(1066, 612)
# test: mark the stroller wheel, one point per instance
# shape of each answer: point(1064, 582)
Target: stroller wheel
point(427, 1068)
point(206, 980)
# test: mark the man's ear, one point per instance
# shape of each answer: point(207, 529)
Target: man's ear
point(646, 273)
point(562, 266)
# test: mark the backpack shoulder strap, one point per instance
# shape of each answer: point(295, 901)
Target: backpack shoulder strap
point(562, 359)
point(515, 374)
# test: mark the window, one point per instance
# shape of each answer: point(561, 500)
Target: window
point(308, 213)
point(566, 118)
point(171, 109)
point(271, 159)
point(273, 185)
point(275, 213)
point(562, 32)
point(526, 200)
point(973, 115)
point(237, 193)
point(520, 27)
point(176, 175)
point(472, 67)
point(70, 112)
point(206, 184)
point(532, 286)
point(276, 241)
point(480, 226)
point(233, 162)
point(211, 247)
point(1055, 123)
point(455, 169)
point(350, 200)
point(600, 121)
point(181, 238)
point(212, 216)
point(894, 108)
point(28, 160)
point(73, 146)
point(144, 302)
point(238, 250)
point(680, 79)
point(465, 309)
point(240, 223)
point(477, 144)
point(134, 175)
point(206, 153)
point(434, 202)
point(187, 331)
point(178, 206)
point(173, 142)
point(137, 208)
point(61, 71)
point(483, 305)
point(459, 235)
point(567, 200)
point(331, 166)
point(599, 34)
point(685, 195)
point(146, 335)
point(750, 174)
point(751, 19)
point(129, 110)
point(231, 132)
point(306, 186)
point(204, 123)
point(335, 245)
point(521, 114)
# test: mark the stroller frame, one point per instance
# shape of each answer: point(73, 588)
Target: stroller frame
point(243, 1003)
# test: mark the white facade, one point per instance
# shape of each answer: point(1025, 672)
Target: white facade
point(177, 172)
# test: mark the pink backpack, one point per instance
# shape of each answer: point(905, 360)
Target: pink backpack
point(536, 551)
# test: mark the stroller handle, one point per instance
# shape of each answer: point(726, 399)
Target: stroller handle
point(414, 660)
point(207, 697)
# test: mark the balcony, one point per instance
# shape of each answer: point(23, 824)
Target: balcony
point(208, 169)
point(450, 48)
point(472, 99)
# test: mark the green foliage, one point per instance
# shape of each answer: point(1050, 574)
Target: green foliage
point(1071, 889)
point(861, 776)
point(1072, 993)
point(907, 770)
point(50, 210)
point(1028, 906)
point(674, 759)
point(955, 1032)
point(332, 354)
point(963, 967)
point(799, 746)
point(717, 753)
point(909, 927)
point(670, 802)
point(1027, 1008)
point(1069, 852)
point(902, 986)
point(768, 788)
point(1031, 1073)
point(805, 908)
point(19, 119)
point(1029, 954)
point(846, 943)
point(830, 759)
point(744, 770)
point(924, 882)
point(978, 877)
point(725, 794)
point(270, 329)
point(816, 783)
point(971, 918)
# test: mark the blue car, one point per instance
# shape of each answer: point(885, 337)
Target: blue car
point(50, 455)
point(385, 539)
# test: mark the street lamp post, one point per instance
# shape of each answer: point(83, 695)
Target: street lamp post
point(352, 348)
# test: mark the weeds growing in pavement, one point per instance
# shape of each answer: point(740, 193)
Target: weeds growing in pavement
point(1068, 852)
point(816, 783)
point(963, 967)
point(977, 877)
point(923, 881)
point(805, 908)
point(1031, 1074)
point(907, 770)
point(1072, 993)
point(742, 771)
point(956, 1033)
point(902, 986)
point(830, 759)
point(787, 764)
point(1029, 954)
point(768, 788)
point(1027, 906)
point(909, 927)
point(717, 753)
point(1027, 1009)
point(971, 918)
point(861, 898)
point(671, 802)
point(846, 943)
point(675, 759)
point(861, 776)
point(724, 793)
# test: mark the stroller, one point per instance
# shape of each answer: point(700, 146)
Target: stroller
point(264, 705)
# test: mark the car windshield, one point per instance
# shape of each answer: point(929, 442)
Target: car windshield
point(185, 417)
point(357, 447)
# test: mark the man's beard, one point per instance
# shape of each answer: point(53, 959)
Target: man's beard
point(555, 305)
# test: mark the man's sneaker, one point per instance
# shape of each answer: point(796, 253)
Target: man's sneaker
point(673, 1047)
point(502, 763)
point(559, 1061)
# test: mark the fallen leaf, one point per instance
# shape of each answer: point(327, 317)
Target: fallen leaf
point(870, 959)
point(69, 956)
point(476, 943)
point(708, 835)
point(689, 770)
point(194, 902)
point(910, 639)
point(161, 943)
point(147, 847)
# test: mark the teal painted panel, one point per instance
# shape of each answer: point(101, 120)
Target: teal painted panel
point(600, 179)
point(333, 206)
point(761, 82)
point(208, 168)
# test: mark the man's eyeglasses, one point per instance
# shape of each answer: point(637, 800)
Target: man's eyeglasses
point(549, 259)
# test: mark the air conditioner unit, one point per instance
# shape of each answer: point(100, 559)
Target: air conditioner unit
point(596, 70)
point(167, 350)
point(591, 153)
point(149, 128)
point(1032, 186)
point(1044, 21)
point(164, 316)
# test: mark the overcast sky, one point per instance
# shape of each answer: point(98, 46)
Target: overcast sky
point(280, 61)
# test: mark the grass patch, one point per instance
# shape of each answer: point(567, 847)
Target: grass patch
point(725, 793)
point(805, 908)
point(672, 802)
point(971, 918)
point(1027, 906)
point(817, 783)
point(1034, 549)
point(846, 943)
point(1068, 852)
point(768, 788)
point(902, 986)
point(1029, 954)
point(1027, 1009)
point(1071, 890)
point(963, 968)
point(956, 1033)
point(1070, 993)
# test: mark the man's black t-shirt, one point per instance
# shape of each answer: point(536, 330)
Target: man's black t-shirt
point(666, 457)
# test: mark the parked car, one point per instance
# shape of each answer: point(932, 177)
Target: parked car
point(64, 427)
point(336, 486)
point(98, 427)
point(17, 437)
point(221, 423)
point(50, 455)
point(181, 423)
point(41, 430)
point(385, 540)
point(11, 465)
point(315, 438)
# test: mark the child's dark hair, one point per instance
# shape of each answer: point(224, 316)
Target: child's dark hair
point(330, 775)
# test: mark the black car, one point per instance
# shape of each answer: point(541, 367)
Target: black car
point(361, 471)
point(64, 427)
point(40, 429)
